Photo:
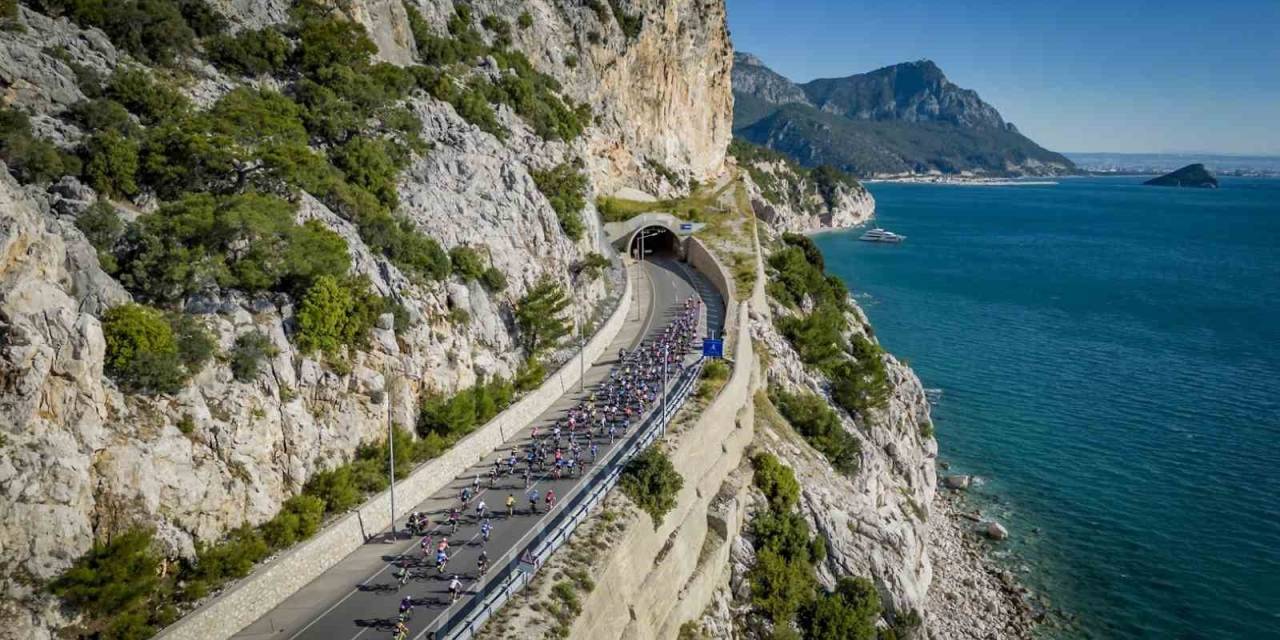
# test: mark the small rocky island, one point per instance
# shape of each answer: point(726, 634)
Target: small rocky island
point(1192, 175)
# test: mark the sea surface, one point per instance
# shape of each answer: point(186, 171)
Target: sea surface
point(1108, 356)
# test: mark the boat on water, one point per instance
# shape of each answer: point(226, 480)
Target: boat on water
point(880, 235)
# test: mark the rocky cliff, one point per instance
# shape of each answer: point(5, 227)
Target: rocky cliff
point(83, 459)
point(791, 198)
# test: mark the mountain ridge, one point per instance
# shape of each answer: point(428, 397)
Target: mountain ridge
point(866, 123)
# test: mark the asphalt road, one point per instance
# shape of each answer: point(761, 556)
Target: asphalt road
point(359, 597)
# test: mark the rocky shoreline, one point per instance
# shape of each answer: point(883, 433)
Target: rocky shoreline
point(971, 596)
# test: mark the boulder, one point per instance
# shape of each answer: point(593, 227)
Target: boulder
point(957, 481)
point(993, 530)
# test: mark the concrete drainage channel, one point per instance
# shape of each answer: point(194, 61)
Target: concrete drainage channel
point(463, 624)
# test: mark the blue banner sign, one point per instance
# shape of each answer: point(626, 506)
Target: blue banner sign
point(712, 348)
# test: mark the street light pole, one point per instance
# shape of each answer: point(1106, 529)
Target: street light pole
point(582, 353)
point(666, 355)
point(391, 453)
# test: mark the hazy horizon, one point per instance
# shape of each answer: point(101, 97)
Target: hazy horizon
point(1128, 77)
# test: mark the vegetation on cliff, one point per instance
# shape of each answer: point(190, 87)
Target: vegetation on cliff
point(651, 481)
point(783, 581)
point(782, 181)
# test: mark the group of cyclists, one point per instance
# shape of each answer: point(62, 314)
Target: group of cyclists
point(569, 446)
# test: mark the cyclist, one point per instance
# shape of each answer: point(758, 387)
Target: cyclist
point(454, 516)
point(482, 563)
point(444, 545)
point(406, 608)
point(402, 577)
point(551, 499)
point(485, 529)
point(528, 475)
point(455, 589)
point(425, 544)
point(511, 505)
point(533, 501)
point(466, 495)
point(493, 477)
point(480, 507)
point(442, 559)
point(595, 448)
point(402, 632)
point(475, 484)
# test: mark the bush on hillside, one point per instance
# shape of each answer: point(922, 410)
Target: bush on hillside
point(103, 114)
point(539, 317)
point(466, 262)
point(651, 481)
point(565, 187)
point(31, 159)
point(337, 313)
point(819, 425)
point(111, 164)
point(142, 354)
point(848, 613)
point(329, 42)
point(248, 353)
point(112, 576)
point(103, 228)
point(251, 52)
point(153, 102)
point(776, 481)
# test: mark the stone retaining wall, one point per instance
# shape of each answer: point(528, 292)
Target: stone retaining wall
point(272, 583)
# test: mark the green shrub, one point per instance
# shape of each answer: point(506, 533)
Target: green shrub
point(593, 265)
point(371, 164)
point(571, 61)
point(818, 338)
point(251, 52)
point(195, 344)
point(249, 351)
point(493, 279)
point(652, 482)
point(142, 355)
point(335, 314)
point(111, 164)
point(248, 242)
point(467, 262)
point(531, 374)
point(539, 316)
point(336, 487)
point(926, 429)
point(328, 42)
point(103, 228)
point(848, 613)
point(103, 114)
point(113, 576)
point(814, 419)
point(630, 25)
point(31, 159)
point(565, 187)
point(525, 20)
point(776, 480)
point(233, 557)
point(151, 101)
point(860, 384)
point(153, 30)
point(299, 518)
point(448, 416)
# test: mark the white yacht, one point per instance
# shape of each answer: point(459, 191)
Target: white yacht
point(880, 235)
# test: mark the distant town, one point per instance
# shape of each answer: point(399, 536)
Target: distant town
point(1159, 163)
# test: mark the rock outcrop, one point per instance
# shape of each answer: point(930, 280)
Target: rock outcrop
point(1192, 175)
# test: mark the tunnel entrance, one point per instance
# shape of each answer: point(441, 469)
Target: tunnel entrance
point(656, 240)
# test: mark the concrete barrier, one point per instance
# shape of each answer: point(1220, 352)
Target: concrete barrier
point(270, 584)
point(701, 258)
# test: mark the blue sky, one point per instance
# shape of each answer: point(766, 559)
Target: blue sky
point(1124, 75)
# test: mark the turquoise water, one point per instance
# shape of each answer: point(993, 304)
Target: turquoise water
point(1109, 360)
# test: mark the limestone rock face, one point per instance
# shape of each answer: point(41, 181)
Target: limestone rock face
point(79, 459)
point(788, 199)
point(661, 95)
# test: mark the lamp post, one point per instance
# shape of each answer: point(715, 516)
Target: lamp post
point(582, 353)
point(666, 349)
point(391, 453)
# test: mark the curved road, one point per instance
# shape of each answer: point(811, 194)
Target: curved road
point(358, 597)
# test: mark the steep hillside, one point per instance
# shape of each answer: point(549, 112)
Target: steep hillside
point(238, 239)
point(792, 198)
point(903, 119)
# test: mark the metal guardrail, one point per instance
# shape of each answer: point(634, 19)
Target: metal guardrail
point(463, 624)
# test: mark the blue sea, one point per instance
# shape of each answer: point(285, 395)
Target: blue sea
point(1109, 361)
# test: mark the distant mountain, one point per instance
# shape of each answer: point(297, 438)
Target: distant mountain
point(1192, 175)
point(907, 118)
